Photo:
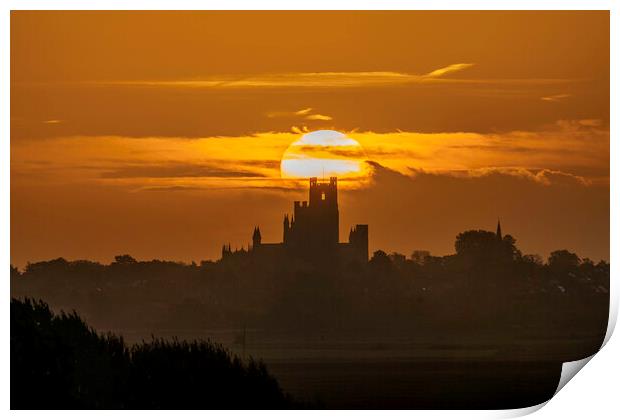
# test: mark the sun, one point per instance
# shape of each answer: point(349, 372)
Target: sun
point(325, 153)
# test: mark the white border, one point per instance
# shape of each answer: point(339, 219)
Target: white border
point(594, 394)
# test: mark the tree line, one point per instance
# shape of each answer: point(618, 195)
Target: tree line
point(487, 287)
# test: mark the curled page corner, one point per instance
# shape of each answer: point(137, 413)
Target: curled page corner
point(520, 412)
point(613, 317)
point(569, 370)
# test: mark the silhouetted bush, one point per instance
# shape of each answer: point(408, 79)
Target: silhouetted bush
point(57, 361)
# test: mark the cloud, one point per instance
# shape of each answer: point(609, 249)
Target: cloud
point(285, 80)
point(448, 69)
point(335, 152)
point(590, 122)
point(304, 113)
point(338, 80)
point(51, 121)
point(279, 114)
point(574, 152)
point(549, 177)
point(302, 80)
point(178, 170)
point(573, 147)
point(263, 163)
point(545, 177)
point(274, 188)
point(167, 188)
point(318, 117)
point(299, 130)
point(556, 98)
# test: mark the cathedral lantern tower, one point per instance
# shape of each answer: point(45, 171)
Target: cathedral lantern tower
point(311, 232)
point(323, 203)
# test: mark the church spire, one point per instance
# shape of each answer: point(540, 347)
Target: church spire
point(499, 230)
point(256, 238)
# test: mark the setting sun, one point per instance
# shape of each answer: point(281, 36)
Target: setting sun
point(324, 153)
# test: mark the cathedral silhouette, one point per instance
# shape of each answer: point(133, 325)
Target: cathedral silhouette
point(312, 231)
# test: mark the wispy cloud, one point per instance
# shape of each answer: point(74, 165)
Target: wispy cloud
point(285, 114)
point(542, 176)
point(178, 170)
point(303, 80)
point(591, 122)
point(448, 69)
point(302, 113)
point(299, 130)
point(555, 98)
point(318, 117)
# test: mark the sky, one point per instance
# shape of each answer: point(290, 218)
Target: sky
point(161, 134)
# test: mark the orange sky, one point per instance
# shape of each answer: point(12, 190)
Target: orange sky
point(160, 134)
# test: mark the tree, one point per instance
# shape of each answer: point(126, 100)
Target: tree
point(124, 259)
point(398, 259)
point(509, 248)
point(379, 255)
point(480, 245)
point(476, 243)
point(563, 260)
point(419, 256)
point(533, 259)
point(380, 260)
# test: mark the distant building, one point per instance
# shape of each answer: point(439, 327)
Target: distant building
point(312, 232)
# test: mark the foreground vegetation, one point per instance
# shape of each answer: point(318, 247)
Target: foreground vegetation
point(58, 361)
